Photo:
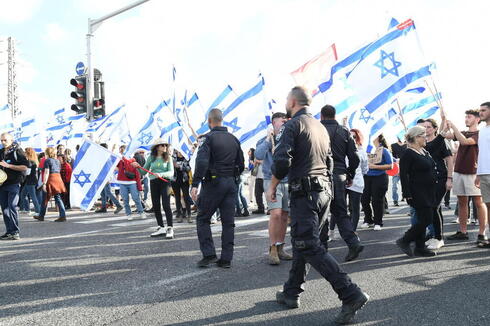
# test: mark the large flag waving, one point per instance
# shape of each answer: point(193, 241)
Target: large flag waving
point(94, 166)
point(388, 66)
point(248, 116)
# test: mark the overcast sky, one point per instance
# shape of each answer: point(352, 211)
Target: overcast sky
point(214, 43)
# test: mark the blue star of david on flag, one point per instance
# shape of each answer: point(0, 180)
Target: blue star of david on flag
point(82, 178)
point(394, 64)
point(60, 119)
point(232, 124)
point(145, 138)
point(365, 116)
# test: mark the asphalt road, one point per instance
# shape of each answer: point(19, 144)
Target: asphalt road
point(101, 269)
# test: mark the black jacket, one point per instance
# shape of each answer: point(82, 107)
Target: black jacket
point(343, 146)
point(418, 176)
point(219, 152)
point(16, 156)
point(303, 149)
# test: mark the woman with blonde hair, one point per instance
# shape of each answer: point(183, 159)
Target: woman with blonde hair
point(53, 185)
point(29, 188)
point(418, 176)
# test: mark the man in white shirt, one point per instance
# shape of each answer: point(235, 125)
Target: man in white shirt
point(482, 180)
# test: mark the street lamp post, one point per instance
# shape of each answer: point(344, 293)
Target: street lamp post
point(93, 24)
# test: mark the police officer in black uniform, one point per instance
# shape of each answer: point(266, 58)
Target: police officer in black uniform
point(219, 164)
point(303, 153)
point(343, 146)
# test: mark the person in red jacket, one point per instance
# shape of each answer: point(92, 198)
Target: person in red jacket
point(65, 172)
point(129, 180)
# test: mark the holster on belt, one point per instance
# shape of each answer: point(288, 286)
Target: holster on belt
point(308, 184)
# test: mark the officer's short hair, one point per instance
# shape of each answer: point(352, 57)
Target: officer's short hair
point(301, 94)
point(278, 115)
point(215, 115)
point(328, 112)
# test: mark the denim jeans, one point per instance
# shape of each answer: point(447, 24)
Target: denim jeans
point(107, 194)
point(9, 198)
point(125, 190)
point(146, 188)
point(354, 207)
point(58, 202)
point(29, 190)
point(241, 201)
point(394, 187)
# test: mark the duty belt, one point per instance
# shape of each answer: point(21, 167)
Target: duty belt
point(306, 185)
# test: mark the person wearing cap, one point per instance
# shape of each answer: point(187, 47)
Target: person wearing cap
point(219, 164)
point(161, 166)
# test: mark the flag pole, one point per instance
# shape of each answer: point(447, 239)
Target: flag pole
point(436, 97)
point(401, 115)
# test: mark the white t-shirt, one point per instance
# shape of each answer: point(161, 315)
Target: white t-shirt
point(483, 151)
point(358, 182)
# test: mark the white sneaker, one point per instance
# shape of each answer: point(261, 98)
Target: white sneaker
point(143, 216)
point(130, 218)
point(331, 235)
point(377, 227)
point(429, 242)
point(365, 226)
point(214, 220)
point(435, 244)
point(159, 232)
point(170, 232)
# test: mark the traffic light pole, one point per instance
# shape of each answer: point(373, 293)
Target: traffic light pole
point(93, 24)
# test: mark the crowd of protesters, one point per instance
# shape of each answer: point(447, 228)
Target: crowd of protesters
point(433, 160)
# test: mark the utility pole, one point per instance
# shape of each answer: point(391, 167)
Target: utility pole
point(93, 24)
point(12, 84)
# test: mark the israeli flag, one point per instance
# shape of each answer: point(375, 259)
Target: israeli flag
point(76, 128)
point(56, 134)
point(98, 126)
point(118, 132)
point(6, 122)
point(59, 117)
point(29, 134)
point(93, 168)
point(173, 132)
point(158, 123)
point(388, 66)
point(248, 116)
point(112, 120)
point(392, 118)
point(224, 99)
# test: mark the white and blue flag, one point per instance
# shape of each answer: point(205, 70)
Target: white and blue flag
point(157, 124)
point(6, 122)
point(93, 168)
point(248, 116)
point(29, 134)
point(224, 99)
point(387, 67)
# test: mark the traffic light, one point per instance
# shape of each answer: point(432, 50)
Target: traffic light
point(99, 108)
point(80, 94)
point(99, 99)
